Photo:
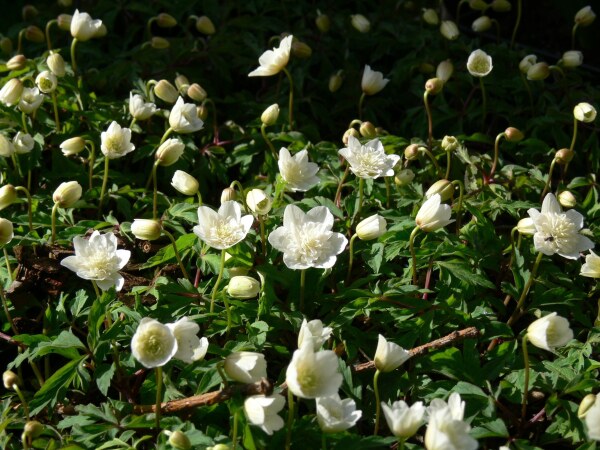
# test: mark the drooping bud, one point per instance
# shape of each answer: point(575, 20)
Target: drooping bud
point(100, 32)
point(196, 92)
point(501, 5)
point(6, 232)
point(6, 45)
point(34, 34)
point(159, 43)
point(8, 195)
point(205, 26)
point(526, 63)
point(301, 50)
point(539, 71)
point(202, 112)
point(526, 226)
point(478, 5)
point(481, 24)
point(56, 64)
point(444, 70)
point(185, 183)
point(10, 94)
point(9, 378)
point(442, 187)
point(449, 30)
point(228, 194)
point(6, 147)
point(243, 287)
point(411, 152)
point(179, 440)
point(165, 20)
point(323, 23)
point(367, 129)
point(72, 146)
point(430, 16)
point(434, 86)
point(182, 84)
point(169, 152)
point(572, 58)
point(146, 229)
point(166, 91)
point(270, 115)
point(586, 403)
point(335, 81)
point(67, 194)
point(64, 21)
point(567, 199)
point(564, 156)
point(17, 62)
point(29, 12)
point(513, 134)
point(33, 429)
point(360, 23)
point(585, 16)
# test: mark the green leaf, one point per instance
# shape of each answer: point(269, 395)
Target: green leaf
point(65, 344)
point(167, 253)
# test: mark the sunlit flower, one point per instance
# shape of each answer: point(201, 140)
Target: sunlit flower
point(298, 173)
point(403, 421)
point(169, 152)
point(116, 141)
point(389, 356)
point(56, 64)
point(273, 61)
point(335, 415)
point(46, 81)
point(306, 239)
point(184, 117)
point(446, 429)
point(258, 202)
point(313, 374)
point(558, 231)
point(242, 286)
point(67, 193)
point(184, 183)
point(313, 332)
point(591, 267)
point(153, 343)
point(6, 231)
point(225, 228)
point(262, 410)
point(146, 229)
point(549, 332)
point(23, 143)
point(479, 63)
point(11, 92)
point(433, 215)
point(372, 81)
point(592, 420)
point(31, 99)
point(83, 27)
point(72, 146)
point(139, 109)
point(369, 160)
point(246, 367)
point(190, 347)
point(98, 259)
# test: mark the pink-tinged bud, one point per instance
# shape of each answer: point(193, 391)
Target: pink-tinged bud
point(513, 134)
point(434, 86)
point(165, 20)
point(564, 156)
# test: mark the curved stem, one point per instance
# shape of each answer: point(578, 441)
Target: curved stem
point(23, 400)
point(159, 383)
point(199, 195)
point(432, 158)
point(448, 165)
point(216, 286)
point(429, 120)
point(338, 192)
point(483, 103)
point(377, 401)
point(154, 191)
point(149, 26)
point(165, 136)
point(24, 122)
point(25, 441)
point(235, 431)
point(411, 244)
point(458, 10)
point(91, 161)
point(53, 237)
point(20, 42)
point(528, 285)
point(55, 106)
point(572, 146)
point(267, 140)
point(263, 239)
point(236, 184)
point(104, 183)
point(73, 60)
point(360, 105)
point(302, 286)
point(48, 26)
point(461, 194)
point(526, 381)
point(361, 188)
point(517, 22)
point(291, 98)
point(355, 122)
point(549, 180)
point(181, 266)
point(29, 203)
point(573, 35)
point(496, 154)
point(351, 257)
point(132, 123)
point(290, 420)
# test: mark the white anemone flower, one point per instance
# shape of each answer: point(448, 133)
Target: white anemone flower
point(23, 143)
point(262, 410)
point(314, 332)
point(98, 259)
point(246, 367)
point(591, 267)
point(298, 173)
point(389, 356)
point(335, 415)
point(404, 421)
point(313, 374)
point(116, 141)
point(306, 239)
point(273, 61)
point(31, 99)
point(446, 429)
point(558, 231)
point(183, 117)
point(479, 63)
point(369, 160)
point(372, 81)
point(433, 215)
point(225, 228)
point(185, 183)
point(139, 109)
point(190, 347)
point(153, 343)
point(83, 27)
point(549, 332)
point(592, 420)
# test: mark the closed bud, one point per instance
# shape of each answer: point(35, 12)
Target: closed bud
point(270, 115)
point(182, 84)
point(411, 152)
point(6, 45)
point(501, 5)
point(526, 63)
point(9, 378)
point(300, 49)
point(450, 143)
point(72, 146)
point(434, 86)
point(481, 24)
point(564, 156)
point(228, 194)
point(584, 112)
point(202, 112)
point(159, 43)
point(33, 429)
point(335, 81)
point(179, 440)
point(539, 71)
point(165, 20)
point(205, 26)
point(323, 23)
point(169, 152)
point(46, 82)
point(585, 16)
point(196, 92)
point(572, 58)
point(185, 183)
point(430, 16)
point(56, 64)
point(478, 5)
point(6, 234)
point(444, 70)
point(587, 402)
point(449, 30)
point(244, 287)
point(367, 129)
point(360, 23)
point(442, 187)
point(526, 226)
point(8, 195)
point(404, 177)
point(34, 34)
point(567, 199)
point(513, 134)
point(371, 228)
point(166, 91)
point(67, 194)
point(258, 202)
point(64, 21)
point(218, 447)
point(350, 132)
point(29, 12)
point(10, 94)
point(146, 229)
point(17, 62)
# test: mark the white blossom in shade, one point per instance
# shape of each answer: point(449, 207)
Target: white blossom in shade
point(313, 332)
point(306, 239)
point(185, 183)
point(446, 429)
point(389, 356)
point(549, 332)
point(153, 343)
point(183, 118)
point(369, 160)
point(262, 411)
point(246, 367)
point(372, 81)
point(298, 173)
point(23, 143)
point(313, 374)
point(449, 30)
point(31, 99)
point(404, 421)
point(592, 420)
point(225, 228)
point(98, 259)
point(46, 82)
point(273, 61)
point(83, 27)
point(116, 141)
point(479, 63)
point(583, 112)
point(527, 63)
point(558, 231)
point(591, 267)
point(335, 415)
point(572, 58)
point(190, 347)
point(139, 109)
point(433, 215)
point(7, 149)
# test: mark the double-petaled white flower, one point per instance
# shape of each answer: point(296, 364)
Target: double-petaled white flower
point(313, 332)
point(404, 421)
point(549, 332)
point(313, 374)
point(190, 347)
point(116, 141)
point(591, 267)
point(369, 160)
point(98, 259)
point(23, 143)
point(372, 81)
point(261, 411)
point(389, 356)
point(433, 215)
point(592, 420)
point(306, 239)
point(139, 109)
point(83, 27)
point(31, 99)
point(183, 118)
point(335, 415)
point(298, 173)
point(558, 231)
point(446, 429)
point(225, 228)
point(246, 367)
point(273, 61)
point(153, 343)
point(479, 63)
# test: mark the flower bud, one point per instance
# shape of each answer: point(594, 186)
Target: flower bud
point(526, 63)
point(501, 6)
point(430, 16)
point(539, 71)
point(586, 403)
point(169, 152)
point(323, 23)
point(205, 26)
point(335, 81)
point(572, 58)
point(185, 183)
point(300, 50)
point(404, 177)
point(258, 202)
point(100, 32)
point(6, 147)
point(202, 112)
point(526, 226)
point(165, 20)
point(585, 16)
point(434, 85)
point(228, 194)
point(444, 70)
point(159, 43)
point(9, 378)
point(166, 91)
point(46, 82)
point(34, 34)
point(6, 233)
point(67, 194)
point(218, 447)
point(64, 21)
point(567, 199)
point(10, 94)
point(196, 92)
point(564, 156)
point(33, 429)
point(513, 134)
point(72, 146)
point(584, 112)
point(8, 195)
point(367, 129)
point(6, 45)
point(270, 115)
point(442, 187)
point(182, 84)
point(360, 23)
point(450, 143)
point(350, 132)
point(478, 5)
point(449, 30)
point(179, 440)
point(243, 287)
point(371, 228)
point(411, 152)
point(29, 12)
point(17, 62)
point(56, 64)
point(481, 24)
point(146, 229)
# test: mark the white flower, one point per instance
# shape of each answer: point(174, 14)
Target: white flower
point(46, 81)
point(479, 63)
point(296, 171)
point(526, 226)
point(372, 81)
point(153, 343)
point(31, 99)
point(98, 259)
point(72, 146)
point(572, 58)
point(360, 23)
point(403, 421)
point(455, 406)
point(558, 231)
point(67, 194)
point(446, 429)
point(585, 16)
point(527, 63)
point(549, 332)
point(389, 356)
point(7, 149)
point(306, 239)
point(225, 228)
point(369, 160)
point(11, 92)
point(184, 183)
point(169, 152)
point(184, 117)
point(592, 420)
point(23, 143)
point(242, 286)
point(116, 141)
point(246, 367)
point(146, 229)
point(258, 202)
point(190, 348)
point(83, 27)
point(139, 109)
point(261, 411)
point(313, 374)
point(6, 231)
point(591, 267)
point(313, 332)
point(449, 30)
point(433, 215)
point(584, 112)
point(273, 61)
point(335, 415)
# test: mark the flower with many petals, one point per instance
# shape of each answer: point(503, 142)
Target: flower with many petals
point(274, 61)
point(403, 421)
point(335, 415)
point(116, 141)
point(314, 332)
point(190, 347)
point(184, 117)
point(83, 27)
point(246, 367)
point(225, 228)
point(262, 410)
point(313, 374)
point(372, 81)
point(369, 160)
point(446, 429)
point(433, 215)
point(549, 332)
point(591, 267)
point(298, 173)
point(23, 143)
point(153, 343)
point(479, 63)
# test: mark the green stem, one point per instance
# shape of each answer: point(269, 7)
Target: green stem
point(159, 382)
point(267, 140)
point(411, 244)
point(573, 35)
point(432, 158)
point(528, 285)
point(165, 136)
point(572, 146)
point(483, 103)
point(291, 99)
point(25, 441)
point(132, 123)
point(170, 236)
point(104, 183)
point(199, 195)
point(235, 431)
point(448, 165)
point(429, 120)
point(302, 286)
point(496, 155)
point(388, 193)
point(360, 105)
point(290, 420)
point(23, 400)
point(338, 192)
point(324, 441)
point(56, 118)
point(73, 60)
point(53, 236)
point(355, 122)
point(48, 26)
point(216, 286)
point(154, 191)
point(377, 401)
point(526, 381)
point(7, 312)
point(548, 181)
point(236, 184)
point(96, 290)
point(149, 27)
point(518, 21)
point(361, 188)
point(461, 194)
point(350, 258)
point(29, 202)
point(458, 10)
point(91, 161)
point(20, 42)
point(24, 122)
point(7, 262)
point(263, 239)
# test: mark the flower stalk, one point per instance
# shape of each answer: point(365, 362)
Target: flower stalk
point(302, 287)
point(159, 382)
point(290, 420)
point(377, 401)
point(181, 266)
point(517, 23)
point(496, 155)
point(291, 98)
point(360, 105)
point(263, 131)
point(29, 202)
point(73, 56)
point(483, 102)
point(219, 277)
point(526, 380)
point(549, 180)
point(53, 236)
point(351, 257)
point(528, 285)
point(104, 183)
point(411, 244)
point(91, 160)
point(55, 106)
point(429, 121)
